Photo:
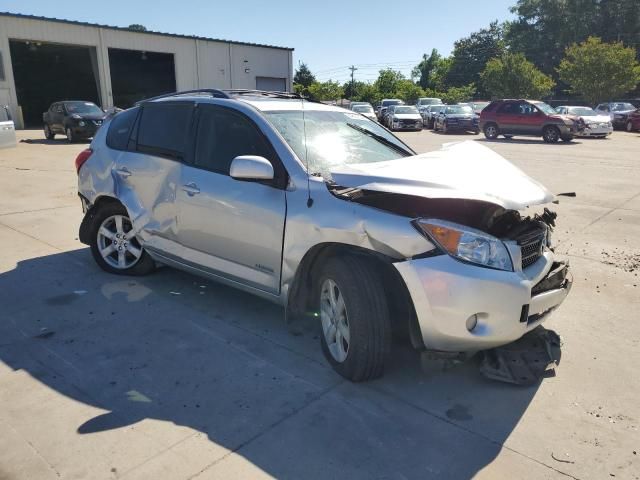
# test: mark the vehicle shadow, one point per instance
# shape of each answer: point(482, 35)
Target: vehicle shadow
point(175, 348)
point(575, 141)
point(55, 141)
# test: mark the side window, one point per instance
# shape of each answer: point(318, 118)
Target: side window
point(508, 109)
point(223, 134)
point(120, 129)
point(164, 129)
point(526, 109)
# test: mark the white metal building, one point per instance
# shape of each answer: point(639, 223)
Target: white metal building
point(43, 60)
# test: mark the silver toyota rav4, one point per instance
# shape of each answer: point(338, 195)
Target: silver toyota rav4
point(330, 215)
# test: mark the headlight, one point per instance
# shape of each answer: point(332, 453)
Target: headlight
point(75, 116)
point(81, 123)
point(466, 243)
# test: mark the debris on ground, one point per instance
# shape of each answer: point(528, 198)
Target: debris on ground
point(560, 459)
point(175, 293)
point(45, 335)
point(629, 262)
point(525, 361)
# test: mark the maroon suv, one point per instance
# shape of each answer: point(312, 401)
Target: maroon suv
point(527, 117)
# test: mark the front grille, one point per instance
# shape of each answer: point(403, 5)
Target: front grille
point(531, 249)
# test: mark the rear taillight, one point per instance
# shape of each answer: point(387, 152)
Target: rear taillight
point(82, 157)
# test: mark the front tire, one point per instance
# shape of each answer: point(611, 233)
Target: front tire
point(356, 331)
point(71, 137)
point(551, 134)
point(114, 245)
point(491, 131)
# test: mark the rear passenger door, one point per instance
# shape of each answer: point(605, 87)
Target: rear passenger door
point(508, 118)
point(147, 171)
point(231, 228)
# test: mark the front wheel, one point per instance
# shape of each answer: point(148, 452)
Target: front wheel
point(354, 315)
point(114, 244)
point(551, 134)
point(48, 134)
point(629, 126)
point(491, 131)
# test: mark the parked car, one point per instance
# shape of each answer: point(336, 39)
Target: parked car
point(7, 128)
point(594, 124)
point(431, 114)
point(366, 110)
point(528, 118)
point(478, 105)
point(386, 103)
point(404, 117)
point(76, 119)
point(633, 121)
point(456, 118)
point(425, 101)
point(358, 233)
point(354, 104)
point(618, 112)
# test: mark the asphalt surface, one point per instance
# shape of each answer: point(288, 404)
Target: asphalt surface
point(169, 376)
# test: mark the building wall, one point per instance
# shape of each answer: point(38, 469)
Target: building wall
point(199, 63)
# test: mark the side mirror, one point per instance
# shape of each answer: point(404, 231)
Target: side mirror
point(251, 167)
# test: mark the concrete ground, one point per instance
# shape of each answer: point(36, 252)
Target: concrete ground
point(170, 376)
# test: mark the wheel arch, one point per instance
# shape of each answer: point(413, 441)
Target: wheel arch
point(85, 225)
point(402, 313)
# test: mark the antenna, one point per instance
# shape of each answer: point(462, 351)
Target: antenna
point(306, 155)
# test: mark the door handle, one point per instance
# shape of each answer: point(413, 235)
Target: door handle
point(123, 172)
point(191, 189)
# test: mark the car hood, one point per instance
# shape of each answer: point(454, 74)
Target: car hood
point(88, 116)
point(407, 116)
point(463, 170)
point(460, 115)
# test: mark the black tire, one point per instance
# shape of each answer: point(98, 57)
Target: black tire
point(551, 134)
point(145, 263)
point(48, 134)
point(629, 126)
point(476, 132)
point(71, 137)
point(445, 129)
point(368, 317)
point(435, 126)
point(567, 139)
point(508, 137)
point(491, 131)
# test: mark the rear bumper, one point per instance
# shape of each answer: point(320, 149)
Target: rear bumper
point(447, 292)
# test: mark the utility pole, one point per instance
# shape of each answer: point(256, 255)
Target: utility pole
point(353, 69)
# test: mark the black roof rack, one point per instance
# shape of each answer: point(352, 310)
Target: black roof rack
point(200, 91)
point(262, 93)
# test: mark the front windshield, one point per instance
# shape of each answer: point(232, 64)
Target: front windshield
point(479, 105)
point(363, 109)
point(86, 108)
point(618, 107)
point(429, 101)
point(454, 109)
point(336, 139)
point(582, 111)
point(548, 109)
point(405, 110)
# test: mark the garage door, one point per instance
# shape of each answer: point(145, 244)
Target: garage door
point(272, 84)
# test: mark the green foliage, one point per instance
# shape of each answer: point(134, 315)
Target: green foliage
point(408, 91)
point(458, 94)
point(352, 91)
point(425, 68)
point(513, 76)
point(328, 90)
point(471, 54)
point(439, 74)
point(387, 82)
point(303, 75)
point(599, 71)
point(368, 93)
point(137, 27)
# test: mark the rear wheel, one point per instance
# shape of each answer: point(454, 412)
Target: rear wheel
point(551, 134)
point(114, 244)
point(356, 333)
point(48, 134)
point(491, 131)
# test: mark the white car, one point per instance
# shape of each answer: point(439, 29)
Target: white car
point(404, 117)
point(7, 129)
point(595, 124)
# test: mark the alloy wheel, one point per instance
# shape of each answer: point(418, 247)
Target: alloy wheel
point(335, 321)
point(491, 131)
point(117, 242)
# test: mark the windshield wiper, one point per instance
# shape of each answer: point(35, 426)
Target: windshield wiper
point(379, 138)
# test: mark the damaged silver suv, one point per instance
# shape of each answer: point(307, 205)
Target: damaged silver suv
point(327, 213)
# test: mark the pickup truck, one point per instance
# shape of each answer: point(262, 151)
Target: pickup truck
point(76, 119)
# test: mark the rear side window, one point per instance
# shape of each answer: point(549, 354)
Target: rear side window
point(164, 129)
point(224, 134)
point(120, 129)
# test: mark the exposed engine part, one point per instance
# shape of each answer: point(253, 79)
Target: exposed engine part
point(525, 361)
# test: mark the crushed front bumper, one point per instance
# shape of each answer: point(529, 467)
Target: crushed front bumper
point(447, 292)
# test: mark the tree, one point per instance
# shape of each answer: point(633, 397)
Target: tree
point(424, 69)
point(471, 54)
point(513, 76)
point(352, 91)
point(458, 94)
point(368, 93)
point(599, 71)
point(303, 75)
point(328, 90)
point(408, 91)
point(137, 27)
point(439, 74)
point(387, 82)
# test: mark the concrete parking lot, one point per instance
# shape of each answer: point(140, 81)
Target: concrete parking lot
point(170, 376)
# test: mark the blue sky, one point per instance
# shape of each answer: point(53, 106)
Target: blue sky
point(328, 35)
